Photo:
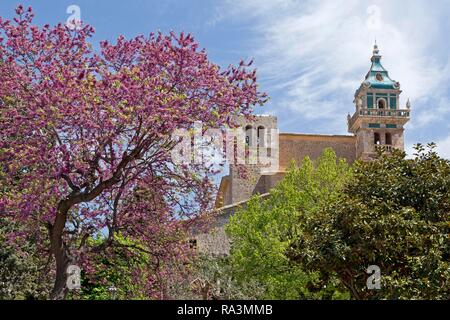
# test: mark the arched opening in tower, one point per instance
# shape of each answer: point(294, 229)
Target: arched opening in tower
point(381, 104)
point(388, 139)
point(376, 138)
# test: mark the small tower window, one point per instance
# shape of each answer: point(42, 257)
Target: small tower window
point(376, 138)
point(388, 139)
point(381, 104)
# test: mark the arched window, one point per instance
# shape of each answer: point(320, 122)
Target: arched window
point(388, 139)
point(376, 138)
point(381, 104)
point(248, 135)
point(261, 136)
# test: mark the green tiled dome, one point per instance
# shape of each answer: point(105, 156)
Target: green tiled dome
point(378, 76)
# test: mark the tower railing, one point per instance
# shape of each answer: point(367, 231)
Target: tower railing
point(384, 112)
point(381, 113)
point(385, 147)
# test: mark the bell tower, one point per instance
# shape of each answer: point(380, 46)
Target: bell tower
point(378, 119)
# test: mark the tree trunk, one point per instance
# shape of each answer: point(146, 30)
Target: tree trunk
point(60, 290)
point(60, 253)
point(59, 250)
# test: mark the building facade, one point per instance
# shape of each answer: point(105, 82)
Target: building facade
point(378, 121)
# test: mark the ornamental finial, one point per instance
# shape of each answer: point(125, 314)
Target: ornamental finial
point(375, 49)
point(408, 104)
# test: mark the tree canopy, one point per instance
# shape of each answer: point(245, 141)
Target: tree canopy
point(85, 136)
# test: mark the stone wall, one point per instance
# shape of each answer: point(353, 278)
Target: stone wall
point(243, 182)
point(267, 182)
point(298, 146)
point(215, 242)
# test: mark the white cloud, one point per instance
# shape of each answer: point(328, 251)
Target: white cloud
point(443, 148)
point(316, 53)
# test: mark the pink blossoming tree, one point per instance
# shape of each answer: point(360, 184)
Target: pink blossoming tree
point(85, 137)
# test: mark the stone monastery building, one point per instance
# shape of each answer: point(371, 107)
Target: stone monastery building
point(378, 120)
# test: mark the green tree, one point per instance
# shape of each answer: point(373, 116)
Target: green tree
point(24, 274)
point(264, 231)
point(394, 214)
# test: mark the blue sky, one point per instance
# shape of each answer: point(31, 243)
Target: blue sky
point(311, 55)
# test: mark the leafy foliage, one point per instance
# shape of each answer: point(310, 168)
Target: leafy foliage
point(23, 273)
point(394, 213)
point(264, 231)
